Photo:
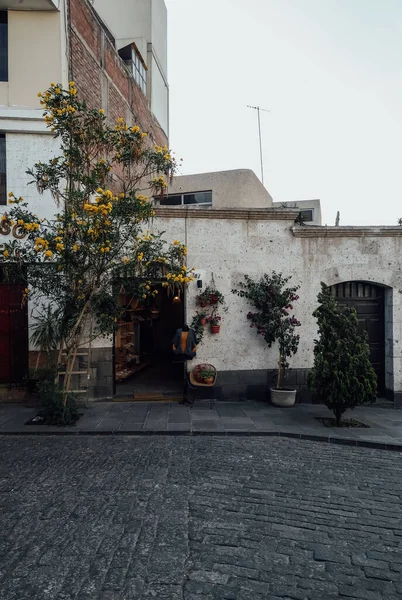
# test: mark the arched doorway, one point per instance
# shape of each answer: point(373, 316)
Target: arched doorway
point(368, 301)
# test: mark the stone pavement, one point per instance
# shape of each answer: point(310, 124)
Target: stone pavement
point(221, 418)
point(198, 518)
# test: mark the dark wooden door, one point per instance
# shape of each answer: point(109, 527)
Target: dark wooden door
point(13, 335)
point(368, 301)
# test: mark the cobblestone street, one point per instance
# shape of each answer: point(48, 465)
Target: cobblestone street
point(198, 518)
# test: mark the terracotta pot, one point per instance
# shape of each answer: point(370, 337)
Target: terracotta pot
point(209, 380)
point(203, 321)
point(215, 328)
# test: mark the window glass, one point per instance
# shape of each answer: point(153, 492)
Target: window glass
point(198, 198)
point(3, 170)
point(3, 46)
point(307, 215)
point(170, 200)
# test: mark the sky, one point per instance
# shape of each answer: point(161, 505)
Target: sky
point(329, 72)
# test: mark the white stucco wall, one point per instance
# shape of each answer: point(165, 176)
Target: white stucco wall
point(238, 188)
point(36, 56)
point(231, 248)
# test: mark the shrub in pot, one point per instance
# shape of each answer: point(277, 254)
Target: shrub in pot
point(342, 376)
point(272, 319)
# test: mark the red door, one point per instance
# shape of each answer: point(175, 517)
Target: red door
point(13, 335)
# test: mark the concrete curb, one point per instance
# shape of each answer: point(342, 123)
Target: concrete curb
point(227, 433)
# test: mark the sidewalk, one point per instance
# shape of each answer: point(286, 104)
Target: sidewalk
point(221, 418)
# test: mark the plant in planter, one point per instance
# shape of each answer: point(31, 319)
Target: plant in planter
point(215, 322)
point(342, 376)
point(209, 300)
point(210, 297)
point(204, 374)
point(274, 322)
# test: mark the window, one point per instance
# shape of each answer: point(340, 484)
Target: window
point(133, 60)
point(3, 46)
point(3, 170)
point(306, 215)
point(199, 198)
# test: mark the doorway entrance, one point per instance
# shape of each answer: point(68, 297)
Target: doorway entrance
point(13, 335)
point(144, 361)
point(368, 301)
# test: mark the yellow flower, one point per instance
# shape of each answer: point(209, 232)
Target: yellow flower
point(143, 134)
point(135, 129)
point(26, 291)
point(147, 287)
point(125, 260)
point(57, 239)
point(76, 247)
point(102, 112)
point(72, 83)
point(144, 295)
point(48, 253)
point(20, 222)
point(140, 256)
point(5, 253)
point(99, 190)
point(52, 84)
point(10, 194)
point(57, 90)
point(176, 243)
point(59, 247)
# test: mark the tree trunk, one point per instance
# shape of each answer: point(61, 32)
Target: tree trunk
point(338, 417)
point(279, 378)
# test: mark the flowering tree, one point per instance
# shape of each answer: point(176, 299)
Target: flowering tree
point(96, 245)
point(272, 320)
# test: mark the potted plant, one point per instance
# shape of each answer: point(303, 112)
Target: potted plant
point(274, 322)
point(214, 321)
point(204, 374)
point(209, 297)
point(209, 300)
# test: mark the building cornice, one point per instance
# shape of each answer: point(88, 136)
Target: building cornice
point(23, 120)
point(246, 214)
point(306, 231)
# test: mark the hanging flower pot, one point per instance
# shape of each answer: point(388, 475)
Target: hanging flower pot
point(215, 328)
point(203, 321)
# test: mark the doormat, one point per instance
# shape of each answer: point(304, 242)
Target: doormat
point(350, 423)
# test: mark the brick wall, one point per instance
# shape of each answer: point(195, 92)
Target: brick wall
point(100, 74)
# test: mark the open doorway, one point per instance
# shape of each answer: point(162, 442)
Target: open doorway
point(144, 363)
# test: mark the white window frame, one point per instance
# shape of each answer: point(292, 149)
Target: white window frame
point(187, 194)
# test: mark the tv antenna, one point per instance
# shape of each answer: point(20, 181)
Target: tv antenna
point(258, 109)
